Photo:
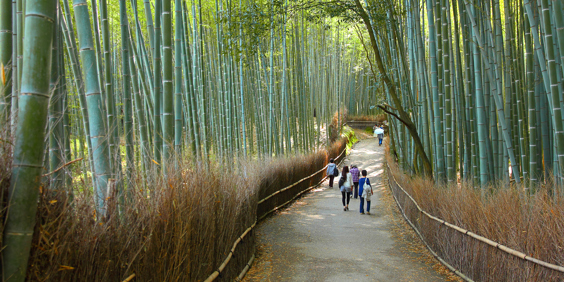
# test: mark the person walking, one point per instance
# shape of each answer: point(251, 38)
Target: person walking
point(380, 133)
point(332, 171)
point(345, 184)
point(365, 192)
point(355, 175)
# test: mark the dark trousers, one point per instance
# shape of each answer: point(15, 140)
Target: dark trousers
point(368, 206)
point(362, 205)
point(331, 177)
point(355, 189)
point(348, 196)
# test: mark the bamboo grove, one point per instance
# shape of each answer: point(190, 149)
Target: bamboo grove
point(481, 80)
point(125, 90)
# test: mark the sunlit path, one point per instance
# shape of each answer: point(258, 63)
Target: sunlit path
point(315, 240)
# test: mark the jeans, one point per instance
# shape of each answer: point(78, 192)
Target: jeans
point(380, 141)
point(362, 205)
point(355, 190)
point(348, 195)
point(368, 206)
point(331, 177)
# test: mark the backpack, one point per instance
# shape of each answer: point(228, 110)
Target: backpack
point(367, 190)
point(335, 171)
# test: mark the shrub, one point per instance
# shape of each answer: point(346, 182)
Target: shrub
point(183, 232)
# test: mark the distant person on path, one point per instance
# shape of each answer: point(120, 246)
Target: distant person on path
point(332, 171)
point(355, 175)
point(380, 133)
point(374, 129)
point(365, 192)
point(345, 184)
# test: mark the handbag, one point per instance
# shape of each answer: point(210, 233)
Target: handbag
point(341, 182)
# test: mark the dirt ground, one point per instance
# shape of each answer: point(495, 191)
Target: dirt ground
point(315, 240)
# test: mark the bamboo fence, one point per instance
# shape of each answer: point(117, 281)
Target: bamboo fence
point(396, 187)
point(217, 273)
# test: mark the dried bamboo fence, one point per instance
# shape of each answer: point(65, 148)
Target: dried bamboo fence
point(467, 254)
point(272, 203)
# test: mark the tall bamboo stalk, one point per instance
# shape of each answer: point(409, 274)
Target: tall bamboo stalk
point(29, 139)
point(98, 130)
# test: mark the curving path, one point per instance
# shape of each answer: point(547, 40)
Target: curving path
point(315, 240)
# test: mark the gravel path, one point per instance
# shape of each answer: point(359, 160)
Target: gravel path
point(315, 240)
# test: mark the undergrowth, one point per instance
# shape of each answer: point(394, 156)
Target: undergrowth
point(349, 134)
point(376, 118)
point(532, 224)
point(181, 233)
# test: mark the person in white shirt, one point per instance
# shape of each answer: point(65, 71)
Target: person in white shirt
point(345, 185)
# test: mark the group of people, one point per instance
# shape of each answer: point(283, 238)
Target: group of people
point(351, 182)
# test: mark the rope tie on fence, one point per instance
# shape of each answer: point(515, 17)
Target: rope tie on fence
point(475, 236)
point(217, 273)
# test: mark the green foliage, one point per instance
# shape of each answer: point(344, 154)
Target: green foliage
point(350, 136)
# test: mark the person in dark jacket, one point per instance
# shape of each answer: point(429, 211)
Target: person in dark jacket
point(330, 171)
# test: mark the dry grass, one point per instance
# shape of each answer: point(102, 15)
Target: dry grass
point(376, 118)
point(339, 118)
point(530, 224)
point(5, 173)
point(283, 172)
point(182, 233)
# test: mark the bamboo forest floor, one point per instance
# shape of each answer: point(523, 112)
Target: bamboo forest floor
point(315, 240)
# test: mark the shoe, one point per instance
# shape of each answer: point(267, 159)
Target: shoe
point(345, 208)
point(367, 212)
point(361, 213)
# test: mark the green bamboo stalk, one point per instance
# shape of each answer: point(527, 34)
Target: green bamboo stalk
point(531, 100)
point(244, 145)
point(128, 108)
point(98, 130)
point(15, 88)
point(445, 35)
point(79, 83)
point(109, 91)
point(96, 27)
point(157, 82)
point(497, 97)
point(557, 112)
point(6, 60)
point(18, 28)
point(56, 132)
point(178, 80)
point(558, 14)
point(439, 151)
point(168, 97)
point(480, 111)
point(189, 82)
point(29, 141)
point(141, 118)
point(150, 29)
